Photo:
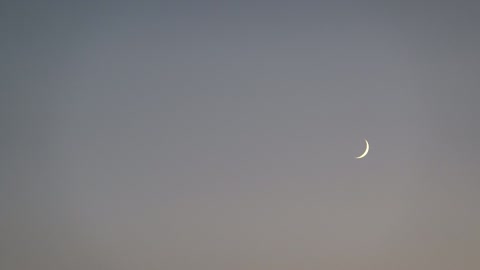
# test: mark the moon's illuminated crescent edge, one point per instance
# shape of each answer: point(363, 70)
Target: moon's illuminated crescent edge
point(366, 151)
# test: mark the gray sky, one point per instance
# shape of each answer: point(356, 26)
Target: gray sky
point(212, 135)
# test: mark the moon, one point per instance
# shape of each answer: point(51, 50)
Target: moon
point(366, 151)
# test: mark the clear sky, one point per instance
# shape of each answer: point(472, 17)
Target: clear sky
point(221, 135)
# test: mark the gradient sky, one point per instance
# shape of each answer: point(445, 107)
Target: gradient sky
point(221, 135)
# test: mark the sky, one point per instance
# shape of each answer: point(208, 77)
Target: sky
point(215, 135)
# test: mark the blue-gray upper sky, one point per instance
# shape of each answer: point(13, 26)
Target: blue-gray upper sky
point(217, 135)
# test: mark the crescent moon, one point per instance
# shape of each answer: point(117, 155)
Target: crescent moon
point(364, 153)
